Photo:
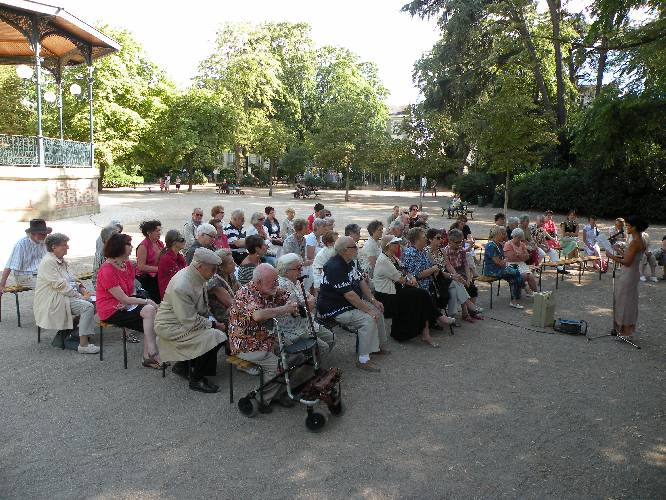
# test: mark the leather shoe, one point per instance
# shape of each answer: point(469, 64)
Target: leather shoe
point(211, 384)
point(368, 366)
point(202, 386)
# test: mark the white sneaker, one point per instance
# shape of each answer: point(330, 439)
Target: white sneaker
point(654, 279)
point(643, 279)
point(89, 349)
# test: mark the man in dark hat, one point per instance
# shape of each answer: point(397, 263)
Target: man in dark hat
point(26, 255)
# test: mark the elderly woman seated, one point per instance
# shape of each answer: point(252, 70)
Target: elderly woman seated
point(171, 259)
point(328, 240)
point(104, 235)
point(516, 253)
point(116, 300)
point(494, 264)
point(411, 308)
point(569, 240)
point(371, 249)
point(418, 264)
point(297, 326)
point(457, 265)
point(536, 254)
point(222, 288)
point(185, 332)
point(256, 249)
point(59, 296)
point(546, 243)
point(258, 228)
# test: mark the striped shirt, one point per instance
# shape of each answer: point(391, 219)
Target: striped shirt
point(235, 233)
point(26, 256)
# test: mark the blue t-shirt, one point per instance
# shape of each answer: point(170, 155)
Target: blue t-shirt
point(339, 277)
point(489, 267)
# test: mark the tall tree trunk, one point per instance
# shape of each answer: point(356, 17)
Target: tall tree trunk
point(381, 181)
point(506, 193)
point(347, 175)
point(238, 153)
point(526, 36)
point(573, 70)
point(601, 66)
point(190, 175)
point(100, 181)
point(555, 7)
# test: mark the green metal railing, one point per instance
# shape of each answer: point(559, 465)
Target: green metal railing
point(19, 150)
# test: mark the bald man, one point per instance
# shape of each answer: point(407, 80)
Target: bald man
point(249, 338)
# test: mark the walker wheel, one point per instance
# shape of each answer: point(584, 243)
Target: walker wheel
point(337, 410)
point(315, 422)
point(248, 406)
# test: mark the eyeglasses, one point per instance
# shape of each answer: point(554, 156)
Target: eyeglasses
point(198, 215)
point(438, 237)
point(180, 240)
point(354, 247)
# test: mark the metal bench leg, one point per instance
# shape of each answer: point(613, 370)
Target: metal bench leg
point(491, 295)
point(557, 277)
point(18, 310)
point(101, 343)
point(39, 334)
point(63, 335)
point(163, 370)
point(125, 347)
point(498, 286)
point(231, 383)
point(581, 270)
point(261, 385)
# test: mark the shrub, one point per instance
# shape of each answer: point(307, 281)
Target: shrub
point(116, 176)
point(474, 184)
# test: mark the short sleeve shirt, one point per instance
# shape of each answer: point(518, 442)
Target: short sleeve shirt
point(245, 334)
point(26, 256)
point(416, 262)
point(234, 233)
point(339, 278)
point(489, 267)
point(109, 276)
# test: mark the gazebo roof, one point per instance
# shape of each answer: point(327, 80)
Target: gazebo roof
point(64, 38)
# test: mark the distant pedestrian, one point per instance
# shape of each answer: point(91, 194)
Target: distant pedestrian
point(167, 182)
point(161, 183)
point(177, 184)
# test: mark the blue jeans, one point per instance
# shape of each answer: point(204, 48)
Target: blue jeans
point(516, 281)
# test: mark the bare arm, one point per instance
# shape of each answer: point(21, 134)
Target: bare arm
point(629, 255)
point(141, 256)
point(121, 297)
point(3, 280)
point(359, 304)
point(263, 314)
point(223, 296)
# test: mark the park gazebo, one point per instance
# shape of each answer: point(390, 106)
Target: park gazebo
point(37, 37)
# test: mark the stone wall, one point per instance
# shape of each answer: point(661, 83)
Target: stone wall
point(49, 193)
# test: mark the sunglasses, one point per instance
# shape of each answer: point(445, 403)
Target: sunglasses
point(180, 240)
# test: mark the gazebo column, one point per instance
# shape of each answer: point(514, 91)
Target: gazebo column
point(36, 44)
point(90, 111)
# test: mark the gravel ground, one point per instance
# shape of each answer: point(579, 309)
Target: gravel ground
point(499, 411)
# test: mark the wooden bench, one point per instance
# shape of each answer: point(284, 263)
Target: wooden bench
point(581, 262)
point(490, 280)
point(466, 211)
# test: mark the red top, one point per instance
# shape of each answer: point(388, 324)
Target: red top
point(109, 276)
point(311, 219)
point(222, 241)
point(169, 265)
point(151, 256)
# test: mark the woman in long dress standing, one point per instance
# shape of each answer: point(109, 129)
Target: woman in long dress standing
point(626, 290)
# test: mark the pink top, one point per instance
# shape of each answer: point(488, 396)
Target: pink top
point(169, 265)
point(514, 253)
point(151, 256)
point(109, 276)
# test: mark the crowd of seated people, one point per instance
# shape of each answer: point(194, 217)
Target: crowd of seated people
point(212, 283)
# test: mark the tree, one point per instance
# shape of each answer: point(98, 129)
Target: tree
point(352, 115)
point(17, 117)
point(510, 132)
point(273, 139)
point(189, 133)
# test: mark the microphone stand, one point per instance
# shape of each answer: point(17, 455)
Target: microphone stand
point(614, 332)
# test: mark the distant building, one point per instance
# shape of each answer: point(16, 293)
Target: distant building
point(397, 114)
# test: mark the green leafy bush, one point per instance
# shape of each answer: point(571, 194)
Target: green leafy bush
point(116, 176)
point(474, 184)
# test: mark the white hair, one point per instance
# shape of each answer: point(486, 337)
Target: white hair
point(513, 221)
point(260, 271)
point(237, 213)
point(396, 224)
point(517, 233)
point(287, 262)
point(255, 218)
point(342, 243)
point(524, 218)
point(205, 228)
point(319, 223)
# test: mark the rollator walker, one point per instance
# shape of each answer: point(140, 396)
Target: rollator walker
point(322, 387)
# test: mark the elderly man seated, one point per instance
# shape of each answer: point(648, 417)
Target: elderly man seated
point(250, 337)
point(185, 333)
point(295, 327)
point(206, 234)
point(345, 296)
point(26, 256)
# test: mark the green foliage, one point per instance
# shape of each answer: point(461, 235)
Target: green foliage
point(474, 184)
point(117, 176)
point(15, 117)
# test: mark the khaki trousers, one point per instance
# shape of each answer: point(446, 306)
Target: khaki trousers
point(371, 333)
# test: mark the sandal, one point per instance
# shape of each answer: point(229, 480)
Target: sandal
point(432, 344)
point(150, 362)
